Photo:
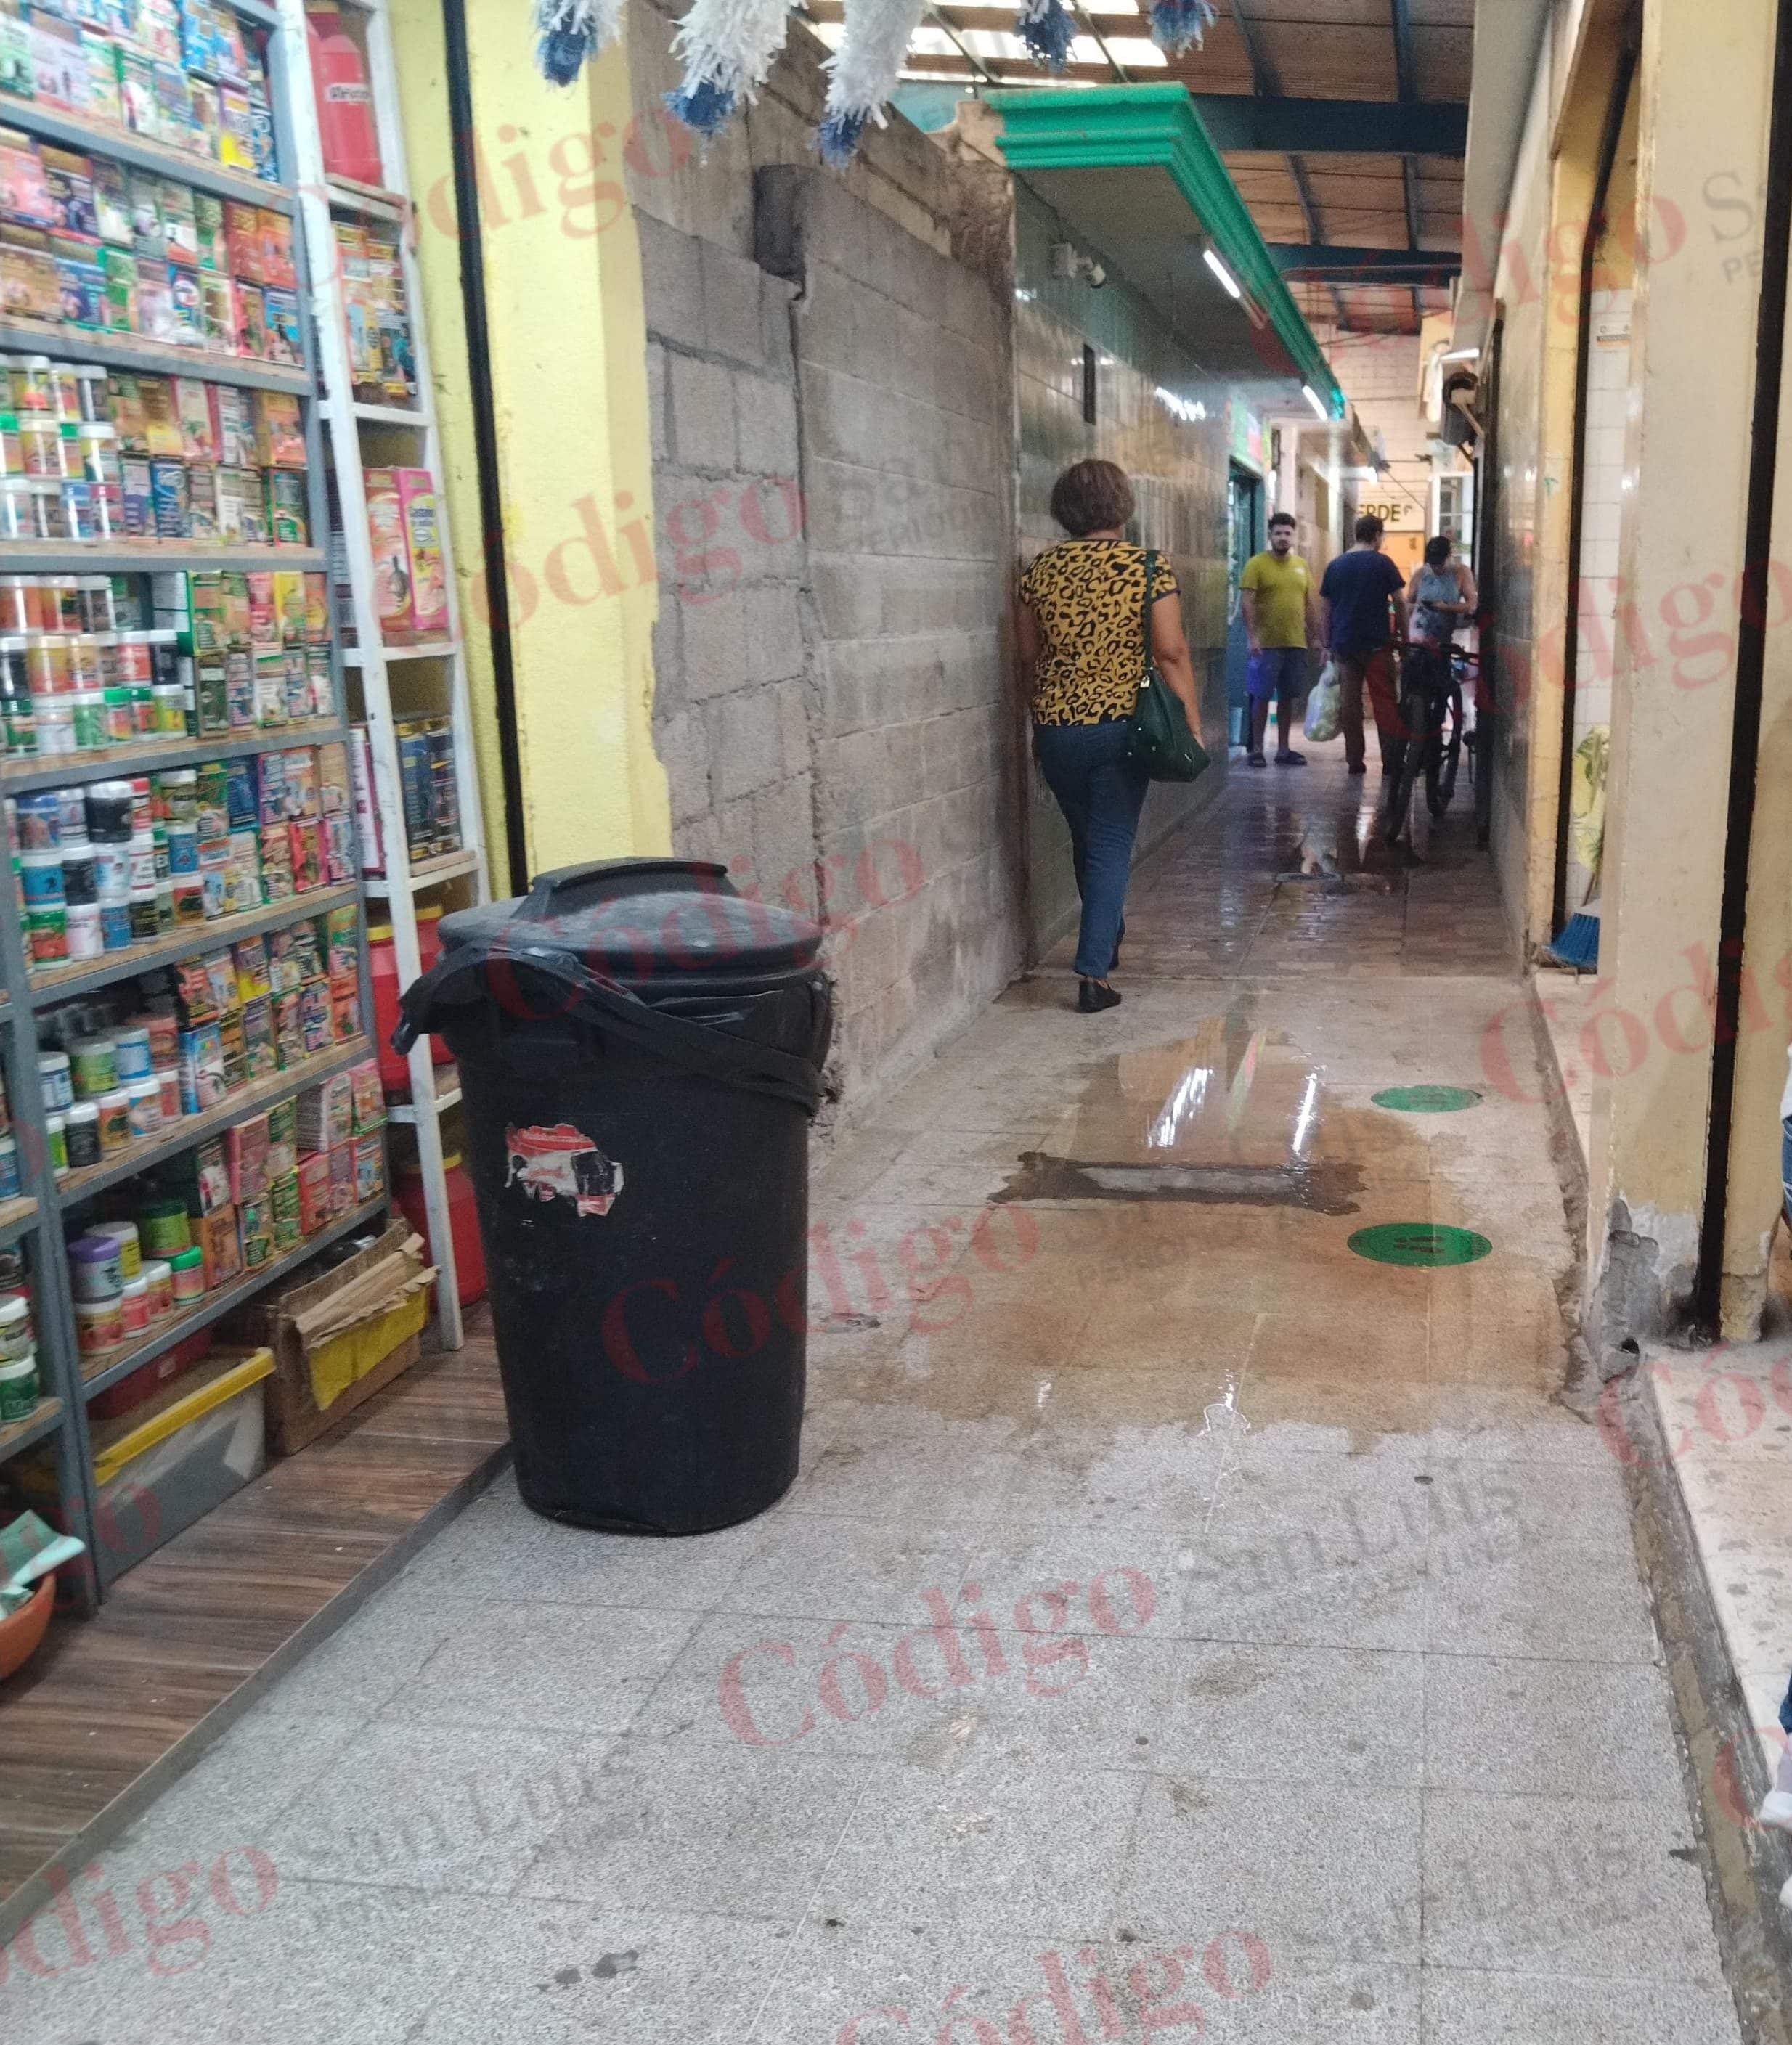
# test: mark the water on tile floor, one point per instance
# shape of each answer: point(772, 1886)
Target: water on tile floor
point(1180, 1624)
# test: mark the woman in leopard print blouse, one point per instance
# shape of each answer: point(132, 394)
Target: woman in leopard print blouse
point(1078, 628)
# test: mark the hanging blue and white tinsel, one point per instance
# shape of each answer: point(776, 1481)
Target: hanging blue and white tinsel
point(568, 32)
point(728, 46)
point(1177, 25)
point(863, 71)
point(1044, 26)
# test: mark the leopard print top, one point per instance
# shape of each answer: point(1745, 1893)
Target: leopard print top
point(1088, 596)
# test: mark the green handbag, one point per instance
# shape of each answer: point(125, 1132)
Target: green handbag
point(1161, 743)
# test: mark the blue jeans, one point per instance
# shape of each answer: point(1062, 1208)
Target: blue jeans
point(1101, 792)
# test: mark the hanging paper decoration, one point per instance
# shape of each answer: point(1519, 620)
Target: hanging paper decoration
point(863, 72)
point(1044, 26)
point(728, 46)
point(1180, 25)
point(567, 31)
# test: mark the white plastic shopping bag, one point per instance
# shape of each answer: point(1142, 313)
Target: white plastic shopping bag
point(1322, 706)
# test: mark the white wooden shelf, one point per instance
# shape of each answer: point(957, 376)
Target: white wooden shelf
point(427, 873)
point(425, 649)
point(322, 199)
point(413, 418)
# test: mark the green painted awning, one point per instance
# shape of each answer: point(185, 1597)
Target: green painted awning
point(1132, 165)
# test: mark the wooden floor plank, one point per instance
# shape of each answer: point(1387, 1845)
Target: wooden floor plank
point(105, 1698)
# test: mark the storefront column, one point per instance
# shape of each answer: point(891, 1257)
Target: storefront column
point(1754, 1189)
point(568, 351)
point(1572, 178)
point(1703, 81)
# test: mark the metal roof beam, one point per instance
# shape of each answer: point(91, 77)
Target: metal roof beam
point(1319, 258)
point(1401, 16)
point(1334, 127)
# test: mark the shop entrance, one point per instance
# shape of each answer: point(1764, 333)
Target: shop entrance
point(1244, 528)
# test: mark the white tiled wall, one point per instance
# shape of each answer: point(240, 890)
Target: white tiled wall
point(1602, 494)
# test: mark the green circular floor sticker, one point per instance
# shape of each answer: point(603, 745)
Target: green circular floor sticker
point(1426, 1099)
point(1419, 1242)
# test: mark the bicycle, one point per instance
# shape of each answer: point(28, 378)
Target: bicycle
point(1430, 693)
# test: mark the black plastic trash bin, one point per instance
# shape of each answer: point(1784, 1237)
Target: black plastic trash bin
point(640, 1050)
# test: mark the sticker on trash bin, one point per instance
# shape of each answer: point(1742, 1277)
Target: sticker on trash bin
point(561, 1163)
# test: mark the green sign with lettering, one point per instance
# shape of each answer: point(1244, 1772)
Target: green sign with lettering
point(1419, 1243)
point(1426, 1099)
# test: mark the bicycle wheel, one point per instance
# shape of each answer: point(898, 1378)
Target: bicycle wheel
point(1406, 779)
point(1441, 756)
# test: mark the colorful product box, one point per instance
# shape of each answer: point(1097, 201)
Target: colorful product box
point(342, 942)
point(242, 231)
point(256, 1232)
point(315, 1019)
point(332, 779)
point(235, 1053)
point(208, 1188)
point(246, 1148)
point(201, 1068)
point(261, 1051)
point(282, 1203)
point(283, 1140)
point(369, 1095)
point(300, 790)
point(307, 840)
point(279, 435)
point(314, 1192)
point(326, 1113)
point(370, 1168)
point(288, 520)
point(342, 1178)
point(250, 958)
point(339, 847)
point(252, 322)
point(241, 798)
point(429, 583)
point(220, 1249)
point(280, 315)
point(289, 1028)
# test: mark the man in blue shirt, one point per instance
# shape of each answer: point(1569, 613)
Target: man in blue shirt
point(1353, 600)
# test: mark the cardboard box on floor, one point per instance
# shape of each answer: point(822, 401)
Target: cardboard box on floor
point(338, 1339)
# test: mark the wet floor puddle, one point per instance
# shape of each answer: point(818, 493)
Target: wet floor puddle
point(1230, 1116)
point(1170, 1157)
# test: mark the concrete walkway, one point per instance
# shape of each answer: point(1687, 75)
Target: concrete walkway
point(1183, 1625)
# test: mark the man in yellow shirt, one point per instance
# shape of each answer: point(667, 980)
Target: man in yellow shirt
point(1281, 623)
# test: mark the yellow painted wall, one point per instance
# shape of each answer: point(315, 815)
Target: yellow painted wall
point(569, 346)
point(1703, 87)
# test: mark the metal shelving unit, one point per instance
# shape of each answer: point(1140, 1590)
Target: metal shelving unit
point(18, 776)
point(323, 199)
point(35, 1218)
point(133, 352)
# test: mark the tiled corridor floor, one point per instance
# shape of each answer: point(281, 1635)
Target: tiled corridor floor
point(1183, 1625)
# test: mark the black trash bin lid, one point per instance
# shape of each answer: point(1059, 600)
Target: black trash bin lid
point(636, 920)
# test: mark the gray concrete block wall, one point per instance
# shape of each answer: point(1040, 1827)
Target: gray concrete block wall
point(904, 384)
point(833, 479)
point(731, 650)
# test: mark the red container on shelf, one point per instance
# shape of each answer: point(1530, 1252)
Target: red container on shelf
point(351, 144)
point(147, 1379)
point(383, 969)
point(463, 1221)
